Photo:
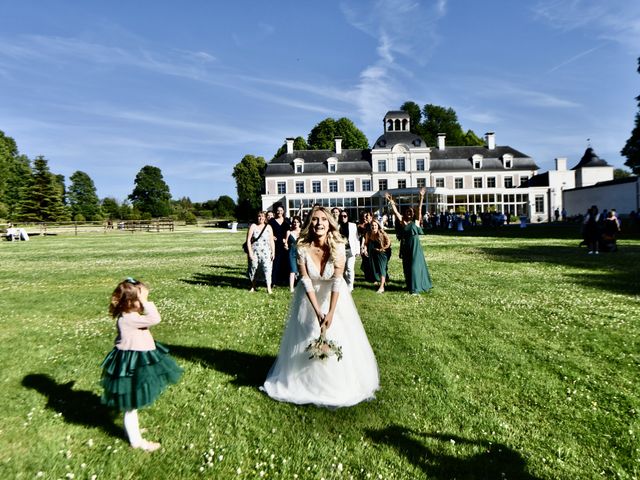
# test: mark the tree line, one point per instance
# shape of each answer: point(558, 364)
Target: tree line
point(30, 192)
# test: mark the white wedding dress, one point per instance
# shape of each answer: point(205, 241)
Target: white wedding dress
point(296, 378)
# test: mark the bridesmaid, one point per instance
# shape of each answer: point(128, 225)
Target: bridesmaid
point(376, 243)
point(416, 272)
point(291, 245)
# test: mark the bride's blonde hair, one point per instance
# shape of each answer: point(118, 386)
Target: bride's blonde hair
point(334, 238)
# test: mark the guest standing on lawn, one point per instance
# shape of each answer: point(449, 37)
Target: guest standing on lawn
point(416, 272)
point(260, 251)
point(138, 369)
point(280, 225)
point(292, 247)
point(376, 244)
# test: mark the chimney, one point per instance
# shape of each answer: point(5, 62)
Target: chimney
point(491, 140)
point(441, 137)
point(338, 145)
point(561, 164)
point(289, 145)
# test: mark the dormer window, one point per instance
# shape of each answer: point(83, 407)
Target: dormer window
point(507, 161)
point(298, 165)
point(332, 165)
point(477, 162)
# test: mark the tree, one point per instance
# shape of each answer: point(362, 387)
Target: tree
point(110, 208)
point(621, 173)
point(433, 120)
point(151, 195)
point(249, 176)
point(41, 199)
point(631, 149)
point(322, 136)
point(15, 171)
point(299, 143)
point(225, 207)
point(83, 199)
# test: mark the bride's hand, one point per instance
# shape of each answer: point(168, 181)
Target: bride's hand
point(327, 320)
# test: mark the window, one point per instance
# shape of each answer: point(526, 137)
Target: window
point(439, 182)
point(366, 185)
point(299, 168)
point(382, 185)
point(299, 187)
point(420, 164)
point(402, 184)
point(332, 168)
point(315, 186)
point(459, 182)
point(282, 188)
point(400, 161)
point(333, 186)
point(539, 204)
point(477, 182)
point(382, 165)
point(350, 185)
point(507, 160)
point(477, 162)
point(523, 181)
point(421, 182)
point(508, 182)
point(491, 182)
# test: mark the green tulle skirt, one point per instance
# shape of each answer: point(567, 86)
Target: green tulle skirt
point(134, 379)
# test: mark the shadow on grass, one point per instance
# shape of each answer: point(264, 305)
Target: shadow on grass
point(76, 406)
point(248, 369)
point(224, 276)
point(546, 230)
point(613, 271)
point(493, 462)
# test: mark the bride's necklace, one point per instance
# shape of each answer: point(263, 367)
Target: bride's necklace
point(321, 251)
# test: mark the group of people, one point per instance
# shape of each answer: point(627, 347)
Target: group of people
point(271, 247)
point(600, 230)
point(13, 233)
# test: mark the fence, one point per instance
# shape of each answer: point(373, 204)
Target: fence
point(77, 228)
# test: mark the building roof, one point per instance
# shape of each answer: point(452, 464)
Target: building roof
point(608, 183)
point(391, 139)
point(315, 161)
point(541, 180)
point(396, 114)
point(459, 158)
point(590, 159)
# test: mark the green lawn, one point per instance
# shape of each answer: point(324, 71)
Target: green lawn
point(523, 362)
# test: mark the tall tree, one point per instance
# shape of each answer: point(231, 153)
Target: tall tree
point(42, 197)
point(434, 119)
point(631, 150)
point(83, 200)
point(151, 195)
point(249, 176)
point(110, 208)
point(299, 143)
point(322, 136)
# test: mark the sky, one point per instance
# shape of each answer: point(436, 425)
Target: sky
point(107, 87)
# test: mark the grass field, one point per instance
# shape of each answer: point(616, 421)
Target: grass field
point(523, 362)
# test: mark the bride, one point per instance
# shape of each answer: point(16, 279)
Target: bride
point(322, 302)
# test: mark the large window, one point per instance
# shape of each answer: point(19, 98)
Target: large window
point(299, 187)
point(491, 182)
point(459, 182)
point(402, 184)
point(421, 182)
point(333, 186)
point(420, 164)
point(382, 185)
point(539, 203)
point(439, 182)
point(282, 188)
point(400, 162)
point(350, 185)
point(382, 165)
point(477, 182)
point(508, 182)
point(315, 186)
point(366, 185)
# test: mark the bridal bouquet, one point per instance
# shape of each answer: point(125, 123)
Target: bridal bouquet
point(322, 348)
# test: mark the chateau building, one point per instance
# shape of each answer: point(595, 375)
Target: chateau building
point(488, 178)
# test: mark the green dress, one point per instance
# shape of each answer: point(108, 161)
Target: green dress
point(377, 260)
point(416, 272)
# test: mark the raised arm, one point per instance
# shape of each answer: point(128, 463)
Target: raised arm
point(394, 209)
point(422, 192)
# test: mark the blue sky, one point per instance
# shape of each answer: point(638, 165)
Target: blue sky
point(191, 87)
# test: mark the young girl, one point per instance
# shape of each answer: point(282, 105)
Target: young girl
point(138, 369)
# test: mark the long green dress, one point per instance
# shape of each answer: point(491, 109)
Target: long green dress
point(416, 272)
point(377, 260)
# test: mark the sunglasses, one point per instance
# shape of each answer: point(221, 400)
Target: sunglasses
point(131, 280)
point(344, 216)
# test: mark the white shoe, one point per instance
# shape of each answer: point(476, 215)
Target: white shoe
point(589, 252)
point(597, 252)
point(147, 446)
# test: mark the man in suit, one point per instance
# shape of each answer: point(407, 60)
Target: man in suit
point(349, 232)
